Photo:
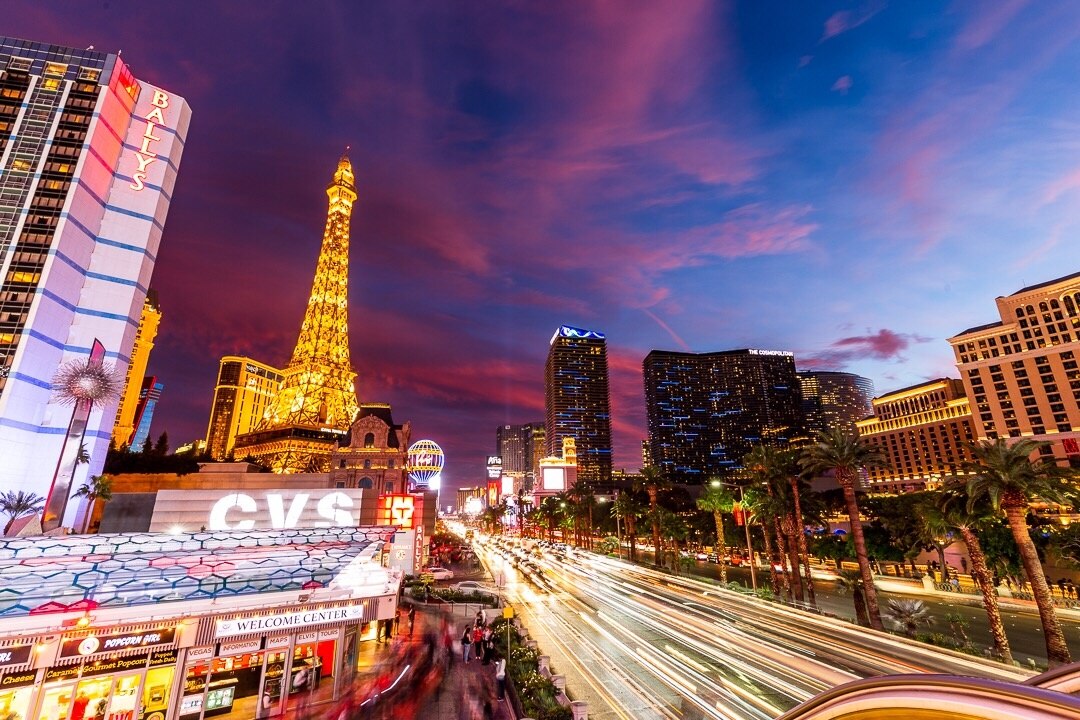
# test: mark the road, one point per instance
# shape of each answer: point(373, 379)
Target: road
point(1022, 627)
point(648, 645)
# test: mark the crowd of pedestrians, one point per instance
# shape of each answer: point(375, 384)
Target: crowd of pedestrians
point(417, 664)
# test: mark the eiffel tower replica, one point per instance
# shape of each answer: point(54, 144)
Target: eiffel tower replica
point(316, 403)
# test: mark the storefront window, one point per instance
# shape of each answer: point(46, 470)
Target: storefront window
point(56, 702)
point(92, 699)
point(156, 693)
point(125, 697)
point(15, 702)
point(194, 686)
point(312, 672)
point(234, 686)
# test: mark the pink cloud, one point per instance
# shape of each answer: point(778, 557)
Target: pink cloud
point(987, 22)
point(844, 20)
point(885, 345)
point(1067, 183)
point(842, 84)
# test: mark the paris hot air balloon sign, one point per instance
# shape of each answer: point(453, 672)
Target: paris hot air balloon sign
point(426, 461)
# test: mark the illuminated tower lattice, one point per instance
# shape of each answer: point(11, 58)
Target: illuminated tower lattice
point(317, 400)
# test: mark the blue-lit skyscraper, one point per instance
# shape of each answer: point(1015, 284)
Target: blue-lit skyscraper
point(577, 399)
point(144, 411)
point(706, 411)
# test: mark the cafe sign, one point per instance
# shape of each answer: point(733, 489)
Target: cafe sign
point(90, 644)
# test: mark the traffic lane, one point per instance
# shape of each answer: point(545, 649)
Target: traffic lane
point(1023, 628)
point(595, 674)
point(749, 669)
point(902, 656)
point(711, 685)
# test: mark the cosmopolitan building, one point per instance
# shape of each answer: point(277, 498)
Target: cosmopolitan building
point(834, 400)
point(578, 401)
point(706, 411)
point(923, 432)
point(244, 390)
point(88, 162)
point(1021, 371)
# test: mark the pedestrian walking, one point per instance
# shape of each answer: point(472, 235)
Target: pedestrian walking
point(466, 644)
point(1061, 586)
point(1071, 588)
point(500, 677)
point(412, 618)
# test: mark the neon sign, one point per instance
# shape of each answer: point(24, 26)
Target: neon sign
point(145, 155)
point(397, 510)
point(567, 331)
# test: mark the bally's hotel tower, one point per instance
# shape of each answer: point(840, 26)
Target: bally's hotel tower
point(88, 161)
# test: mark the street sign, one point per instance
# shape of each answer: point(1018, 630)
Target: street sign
point(508, 612)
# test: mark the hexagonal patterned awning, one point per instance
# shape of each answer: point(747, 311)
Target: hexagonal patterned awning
point(68, 573)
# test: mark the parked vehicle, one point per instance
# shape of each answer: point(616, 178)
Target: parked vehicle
point(439, 573)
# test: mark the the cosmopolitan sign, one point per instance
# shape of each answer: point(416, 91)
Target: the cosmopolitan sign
point(287, 621)
point(192, 510)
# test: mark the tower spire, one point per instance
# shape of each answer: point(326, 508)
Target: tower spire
point(317, 391)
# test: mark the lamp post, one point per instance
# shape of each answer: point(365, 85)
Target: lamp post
point(746, 526)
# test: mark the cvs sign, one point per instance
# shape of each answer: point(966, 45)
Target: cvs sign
point(274, 510)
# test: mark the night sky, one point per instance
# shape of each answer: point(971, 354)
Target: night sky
point(854, 182)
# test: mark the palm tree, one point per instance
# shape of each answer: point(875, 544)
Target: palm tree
point(98, 487)
point(852, 580)
point(654, 481)
point(17, 504)
point(1010, 480)
point(767, 467)
point(717, 500)
point(950, 509)
point(909, 615)
point(629, 508)
point(845, 454)
point(550, 511)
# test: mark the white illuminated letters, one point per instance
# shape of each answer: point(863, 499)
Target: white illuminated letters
point(238, 511)
point(219, 514)
point(332, 507)
point(145, 155)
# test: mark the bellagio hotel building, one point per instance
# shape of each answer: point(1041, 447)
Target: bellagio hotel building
point(1020, 372)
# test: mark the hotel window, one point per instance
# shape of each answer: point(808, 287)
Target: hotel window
point(53, 69)
point(90, 74)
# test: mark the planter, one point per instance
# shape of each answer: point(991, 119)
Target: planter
point(559, 681)
point(545, 664)
point(580, 709)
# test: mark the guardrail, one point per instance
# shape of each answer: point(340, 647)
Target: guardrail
point(936, 697)
point(1065, 679)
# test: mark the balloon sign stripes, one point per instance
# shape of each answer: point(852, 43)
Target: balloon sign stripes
point(425, 462)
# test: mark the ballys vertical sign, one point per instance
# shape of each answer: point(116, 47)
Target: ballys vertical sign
point(145, 155)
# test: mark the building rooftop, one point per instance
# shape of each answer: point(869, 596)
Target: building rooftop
point(53, 574)
point(909, 388)
point(979, 328)
point(1036, 286)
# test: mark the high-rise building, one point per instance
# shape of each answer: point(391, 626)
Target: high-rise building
point(149, 395)
point(88, 162)
point(923, 432)
point(706, 411)
point(834, 400)
point(242, 394)
point(124, 427)
point(578, 401)
point(515, 445)
point(316, 403)
point(1021, 372)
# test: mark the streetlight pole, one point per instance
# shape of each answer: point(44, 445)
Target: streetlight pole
point(746, 526)
point(618, 527)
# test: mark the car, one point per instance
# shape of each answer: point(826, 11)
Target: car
point(714, 558)
point(701, 556)
point(471, 586)
point(439, 573)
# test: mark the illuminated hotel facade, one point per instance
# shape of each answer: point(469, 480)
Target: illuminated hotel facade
point(1021, 372)
point(834, 400)
point(88, 162)
point(144, 412)
point(923, 432)
point(706, 411)
point(244, 390)
point(124, 427)
point(577, 400)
